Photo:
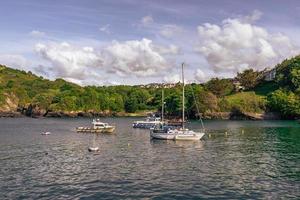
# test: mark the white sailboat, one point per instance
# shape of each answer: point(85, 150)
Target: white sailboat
point(180, 133)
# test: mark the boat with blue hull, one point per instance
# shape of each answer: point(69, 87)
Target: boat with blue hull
point(148, 123)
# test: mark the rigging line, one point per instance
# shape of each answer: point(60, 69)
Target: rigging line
point(197, 107)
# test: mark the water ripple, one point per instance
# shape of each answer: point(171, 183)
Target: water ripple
point(253, 160)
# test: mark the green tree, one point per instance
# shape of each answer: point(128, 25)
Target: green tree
point(248, 78)
point(173, 103)
point(10, 84)
point(220, 87)
point(285, 102)
point(131, 104)
point(295, 77)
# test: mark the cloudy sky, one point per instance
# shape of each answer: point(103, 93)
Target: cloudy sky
point(104, 42)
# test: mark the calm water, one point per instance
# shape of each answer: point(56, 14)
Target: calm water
point(256, 160)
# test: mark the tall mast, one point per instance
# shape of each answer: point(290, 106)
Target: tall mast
point(162, 104)
point(182, 96)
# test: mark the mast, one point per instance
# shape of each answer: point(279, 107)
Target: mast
point(162, 104)
point(182, 95)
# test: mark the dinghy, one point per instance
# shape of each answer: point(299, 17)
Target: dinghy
point(93, 148)
point(45, 133)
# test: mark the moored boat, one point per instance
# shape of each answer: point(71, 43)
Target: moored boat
point(93, 149)
point(97, 127)
point(173, 133)
point(149, 122)
point(45, 133)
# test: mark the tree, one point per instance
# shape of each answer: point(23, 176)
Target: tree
point(285, 102)
point(295, 77)
point(288, 73)
point(207, 101)
point(10, 84)
point(220, 87)
point(173, 103)
point(43, 100)
point(248, 78)
point(131, 104)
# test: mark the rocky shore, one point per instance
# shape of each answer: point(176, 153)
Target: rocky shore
point(36, 112)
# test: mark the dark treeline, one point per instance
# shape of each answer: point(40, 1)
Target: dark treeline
point(249, 91)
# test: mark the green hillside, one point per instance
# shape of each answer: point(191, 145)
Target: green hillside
point(33, 95)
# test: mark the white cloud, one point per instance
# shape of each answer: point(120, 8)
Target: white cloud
point(36, 33)
point(237, 45)
point(134, 57)
point(68, 61)
point(14, 60)
point(147, 20)
point(85, 65)
point(255, 15)
point(174, 78)
point(105, 29)
point(170, 30)
point(200, 76)
point(170, 50)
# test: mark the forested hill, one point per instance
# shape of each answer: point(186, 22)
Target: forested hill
point(251, 94)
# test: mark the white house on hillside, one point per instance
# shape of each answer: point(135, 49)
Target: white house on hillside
point(269, 74)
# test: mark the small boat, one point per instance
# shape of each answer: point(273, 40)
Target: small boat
point(93, 148)
point(173, 133)
point(45, 133)
point(150, 122)
point(97, 127)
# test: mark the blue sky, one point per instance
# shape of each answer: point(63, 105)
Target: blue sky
point(137, 41)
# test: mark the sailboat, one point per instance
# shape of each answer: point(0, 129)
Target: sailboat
point(93, 148)
point(167, 133)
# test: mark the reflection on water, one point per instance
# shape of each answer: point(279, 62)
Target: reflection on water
point(235, 160)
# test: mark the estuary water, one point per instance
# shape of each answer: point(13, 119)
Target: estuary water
point(235, 160)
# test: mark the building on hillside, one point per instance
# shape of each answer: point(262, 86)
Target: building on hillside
point(269, 74)
point(159, 85)
point(237, 85)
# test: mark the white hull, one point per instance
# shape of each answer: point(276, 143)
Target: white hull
point(45, 133)
point(178, 135)
point(195, 136)
point(93, 149)
point(162, 136)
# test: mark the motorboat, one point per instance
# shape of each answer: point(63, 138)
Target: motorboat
point(97, 127)
point(149, 122)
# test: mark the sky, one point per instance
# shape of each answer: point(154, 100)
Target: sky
point(112, 42)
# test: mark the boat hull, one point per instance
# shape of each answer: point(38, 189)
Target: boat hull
point(162, 136)
point(177, 135)
point(95, 130)
point(195, 136)
point(93, 149)
point(145, 125)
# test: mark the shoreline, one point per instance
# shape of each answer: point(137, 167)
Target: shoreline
point(91, 114)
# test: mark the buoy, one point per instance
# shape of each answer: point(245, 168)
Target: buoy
point(226, 133)
point(242, 131)
point(209, 135)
